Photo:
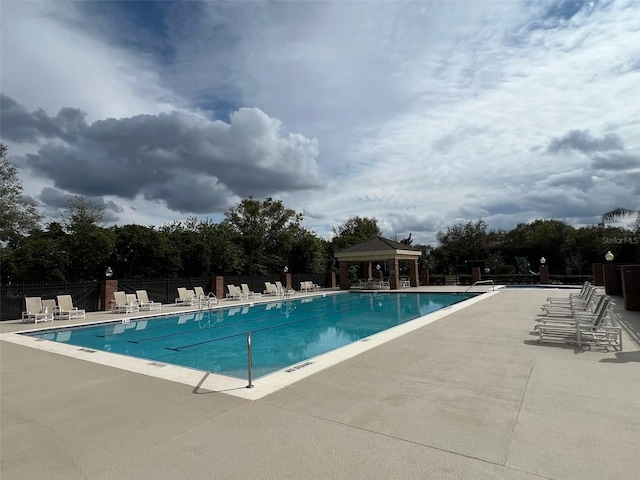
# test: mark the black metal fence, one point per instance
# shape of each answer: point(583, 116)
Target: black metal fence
point(516, 279)
point(86, 295)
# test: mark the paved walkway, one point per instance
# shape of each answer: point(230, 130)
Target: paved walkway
point(471, 395)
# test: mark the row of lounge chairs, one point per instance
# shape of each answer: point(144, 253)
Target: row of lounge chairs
point(195, 297)
point(129, 302)
point(38, 310)
point(371, 284)
point(309, 286)
point(60, 308)
point(243, 292)
point(277, 289)
point(585, 319)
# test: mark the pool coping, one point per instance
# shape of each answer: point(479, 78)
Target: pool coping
point(209, 381)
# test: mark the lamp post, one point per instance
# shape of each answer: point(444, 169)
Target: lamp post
point(612, 284)
point(285, 278)
point(106, 289)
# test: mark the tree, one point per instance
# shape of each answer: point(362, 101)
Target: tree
point(81, 212)
point(407, 241)
point(266, 231)
point(41, 256)
point(225, 251)
point(142, 252)
point(90, 246)
point(17, 216)
point(618, 213)
point(354, 231)
point(465, 241)
point(553, 239)
point(308, 254)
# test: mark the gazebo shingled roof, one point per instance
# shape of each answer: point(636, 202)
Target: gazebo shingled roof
point(378, 248)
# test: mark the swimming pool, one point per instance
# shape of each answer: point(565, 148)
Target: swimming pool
point(283, 332)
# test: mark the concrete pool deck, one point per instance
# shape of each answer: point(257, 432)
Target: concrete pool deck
point(471, 395)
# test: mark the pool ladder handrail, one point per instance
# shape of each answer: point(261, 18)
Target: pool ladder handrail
point(479, 282)
point(285, 293)
point(202, 298)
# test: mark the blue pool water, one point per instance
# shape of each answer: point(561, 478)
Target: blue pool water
point(282, 332)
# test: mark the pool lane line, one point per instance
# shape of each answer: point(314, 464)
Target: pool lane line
point(272, 315)
point(204, 342)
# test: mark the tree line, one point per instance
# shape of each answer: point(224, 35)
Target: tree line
point(260, 237)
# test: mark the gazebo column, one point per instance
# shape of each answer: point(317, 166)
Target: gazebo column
point(368, 272)
point(413, 273)
point(344, 276)
point(394, 278)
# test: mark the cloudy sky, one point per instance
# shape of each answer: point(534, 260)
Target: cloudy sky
point(419, 114)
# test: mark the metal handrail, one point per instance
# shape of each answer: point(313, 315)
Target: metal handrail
point(493, 285)
point(249, 361)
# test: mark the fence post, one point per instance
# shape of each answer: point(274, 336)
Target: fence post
point(544, 274)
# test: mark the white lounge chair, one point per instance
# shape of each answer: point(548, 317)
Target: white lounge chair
point(247, 293)
point(309, 286)
point(66, 307)
point(235, 293)
point(185, 297)
point(144, 303)
point(270, 289)
point(284, 291)
point(582, 294)
point(34, 311)
point(50, 305)
point(132, 299)
point(122, 304)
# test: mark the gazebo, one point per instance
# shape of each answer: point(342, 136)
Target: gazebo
point(379, 249)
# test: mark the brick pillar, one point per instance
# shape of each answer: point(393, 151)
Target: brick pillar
point(286, 280)
point(611, 284)
point(217, 284)
point(425, 277)
point(413, 273)
point(344, 276)
point(394, 274)
point(598, 278)
point(476, 276)
point(544, 274)
point(631, 287)
point(106, 293)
